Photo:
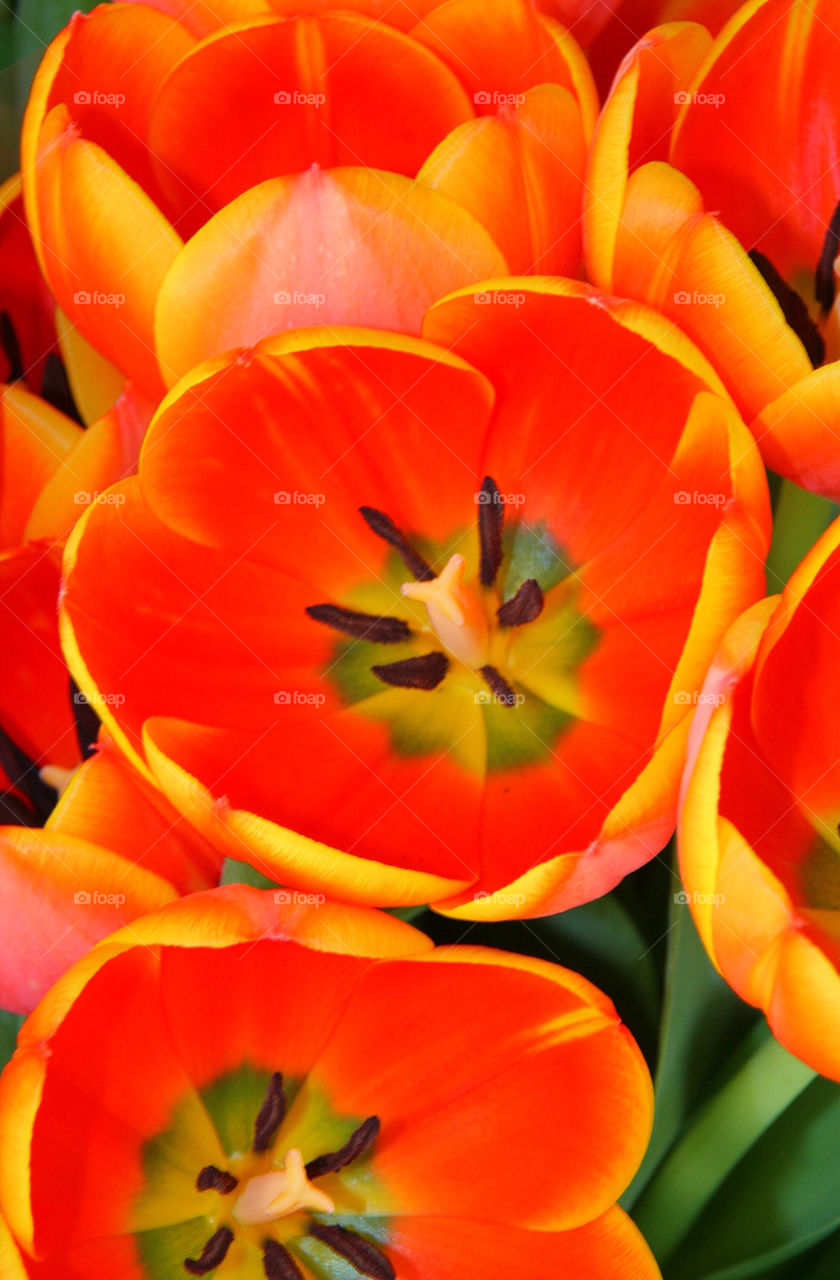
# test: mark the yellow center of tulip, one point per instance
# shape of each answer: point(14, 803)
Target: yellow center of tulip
point(270, 1196)
point(455, 613)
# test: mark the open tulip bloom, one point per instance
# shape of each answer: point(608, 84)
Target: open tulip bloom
point(412, 622)
point(390, 573)
point(237, 1089)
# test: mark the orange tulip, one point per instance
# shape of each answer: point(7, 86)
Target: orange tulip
point(50, 471)
point(758, 824)
point(231, 1086)
point(407, 622)
point(649, 235)
point(111, 850)
point(200, 176)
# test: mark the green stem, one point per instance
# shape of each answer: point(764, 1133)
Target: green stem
point(799, 519)
point(717, 1139)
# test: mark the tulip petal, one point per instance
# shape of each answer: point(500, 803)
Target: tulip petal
point(106, 247)
point(106, 452)
point(799, 432)
point(35, 705)
point(689, 266)
point(96, 384)
point(34, 438)
point(633, 130)
point(67, 894)
point(303, 107)
point(471, 1106)
point(108, 804)
point(497, 48)
point(340, 247)
point(373, 400)
point(520, 173)
point(438, 1248)
point(771, 67)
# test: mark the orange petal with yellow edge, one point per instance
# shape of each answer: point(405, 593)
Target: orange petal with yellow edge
point(104, 454)
point(444, 1248)
point(351, 246)
point(759, 133)
point(633, 129)
point(63, 893)
point(520, 173)
point(106, 247)
point(543, 1028)
point(303, 106)
point(799, 432)
point(687, 264)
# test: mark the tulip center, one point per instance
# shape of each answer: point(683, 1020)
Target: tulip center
point(276, 1202)
point(455, 614)
point(275, 1195)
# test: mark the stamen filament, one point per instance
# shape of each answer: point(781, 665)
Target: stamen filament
point(212, 1255)
point(271, 1114)
point(365, 626)
point(384, 527)
point(358, 1142)
point(361, 1254)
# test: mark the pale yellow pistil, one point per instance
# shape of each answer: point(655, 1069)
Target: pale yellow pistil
point(275, 1195)
point(455, 613)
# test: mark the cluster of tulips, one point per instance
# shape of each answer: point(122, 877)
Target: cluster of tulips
point(393, 396)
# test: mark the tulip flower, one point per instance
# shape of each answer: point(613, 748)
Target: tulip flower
point(406, 622)
point(200, 176)
point(767, 159)
point(52, 470)
point(112, 849)
point(758, 825)
point(649, 234)
point(249, 1089)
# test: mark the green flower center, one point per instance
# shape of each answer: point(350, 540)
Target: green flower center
point(494, 639)
point(266, 1200)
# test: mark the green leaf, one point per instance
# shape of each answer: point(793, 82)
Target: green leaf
point(701, 1021)
point(800, 518)
point(235, 872)
point(37, 22)
point(780, 1199)
point(10, 1024)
